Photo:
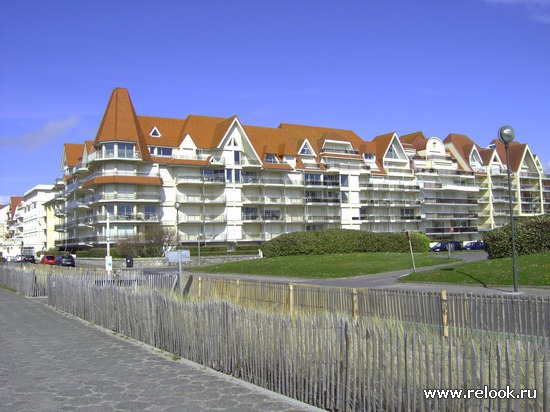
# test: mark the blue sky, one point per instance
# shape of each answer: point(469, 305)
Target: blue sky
point(372, 66)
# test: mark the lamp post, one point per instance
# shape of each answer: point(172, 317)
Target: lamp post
point(506, 135)
point(180, 277)
point(199, 237)
point(177, 206)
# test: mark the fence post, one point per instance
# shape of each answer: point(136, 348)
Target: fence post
point(238, 290)
point(355, 304)
point(200, 287)
point(291, 298)
point(444, 313)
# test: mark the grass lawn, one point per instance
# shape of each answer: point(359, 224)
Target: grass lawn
point(533, 270)
point(327, 266)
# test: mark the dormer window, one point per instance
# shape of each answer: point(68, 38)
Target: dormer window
point(271, 158)
point(368, 156)
point(160, 151)
point(306, 150)
point(155, 132)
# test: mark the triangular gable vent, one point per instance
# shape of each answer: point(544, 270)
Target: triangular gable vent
point(155, 132)
point(306, 149)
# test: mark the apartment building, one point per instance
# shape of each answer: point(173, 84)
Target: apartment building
point(217, 180)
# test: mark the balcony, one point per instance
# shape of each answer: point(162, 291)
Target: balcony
point(450, 201)
point(126, 218)
point(130, 197)
point(389, 218)
point(451, 230)
point(317, 200)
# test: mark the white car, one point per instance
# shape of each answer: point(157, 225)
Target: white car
point(18, 258)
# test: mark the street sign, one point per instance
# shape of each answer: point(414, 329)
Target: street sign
point(175, 256)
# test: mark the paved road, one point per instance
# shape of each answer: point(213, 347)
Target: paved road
point(389, 280)
point(53, 362)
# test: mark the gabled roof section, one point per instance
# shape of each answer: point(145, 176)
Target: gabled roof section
point(170, 130)
point(15, 201)
point(462, 143)
point(516, 153)
point(267, 140)
point(417, 140)
point(72, 154)
point(120, 123)
point(202, 129)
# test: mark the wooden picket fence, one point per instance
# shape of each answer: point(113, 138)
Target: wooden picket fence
point(336, 361)
point(450, 313)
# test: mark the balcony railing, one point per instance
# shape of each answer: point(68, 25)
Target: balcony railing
point(451, 229)
point(450, 200)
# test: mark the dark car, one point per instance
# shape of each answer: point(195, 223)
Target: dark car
point(445, 246)
point(65, 260)
point(29, 259)
point(475, 246)
point(48, 260)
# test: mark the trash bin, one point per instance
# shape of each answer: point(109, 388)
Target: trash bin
point(129, 262)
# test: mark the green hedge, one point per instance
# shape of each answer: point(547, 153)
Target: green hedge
point(532, 236)
point(97, 252)
point(330, 241)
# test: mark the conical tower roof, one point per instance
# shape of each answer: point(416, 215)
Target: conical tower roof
point(120, 123)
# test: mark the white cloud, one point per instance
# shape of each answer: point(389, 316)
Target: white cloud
point(4, 200)
point(46, 134)
point(538, 10)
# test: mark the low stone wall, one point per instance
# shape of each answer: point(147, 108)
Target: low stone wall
point(163, 262)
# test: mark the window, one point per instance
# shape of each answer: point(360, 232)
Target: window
point(237, 176)
point(344, 180)
point(270, 158)
point(250, 213)
point(407, 213)
point(160, 151)
point(229, 175)
point(344, 197)
point(110, 209)
point(125, 150)
point(306, 150)
point(313, 179)
point(109, 150)
point(125, 210)
point(155, 132)
point(368, 156)
point(237, 157)
point(272, 214)
point(150, 212)
point(125, 230)
point(391, 153)
point(213, 175)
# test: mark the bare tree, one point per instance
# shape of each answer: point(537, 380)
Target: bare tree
point(153, 241)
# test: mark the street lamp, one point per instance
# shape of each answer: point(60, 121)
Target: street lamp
point(177, 206)
point(180, 277)
point(506, 135)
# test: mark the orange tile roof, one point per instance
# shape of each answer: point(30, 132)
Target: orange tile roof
point(516, 153)
point(202, 129)
point(267, 140)
point(15, 201)
point(73, 153)
point(136, 180)
point(317, 135)
point(170, 130)
point(463, 144)
point(120, 123)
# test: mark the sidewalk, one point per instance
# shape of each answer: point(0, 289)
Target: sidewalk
point(51, 362)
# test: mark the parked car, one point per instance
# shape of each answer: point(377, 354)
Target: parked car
point(65, 260)
point(48, 260)
point(445, 246)
point(29, 259)
point(18, 258)
point(474, 246)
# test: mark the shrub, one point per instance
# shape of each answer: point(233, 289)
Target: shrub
point(98, 252)
point(330, 241)
point(532, 236)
